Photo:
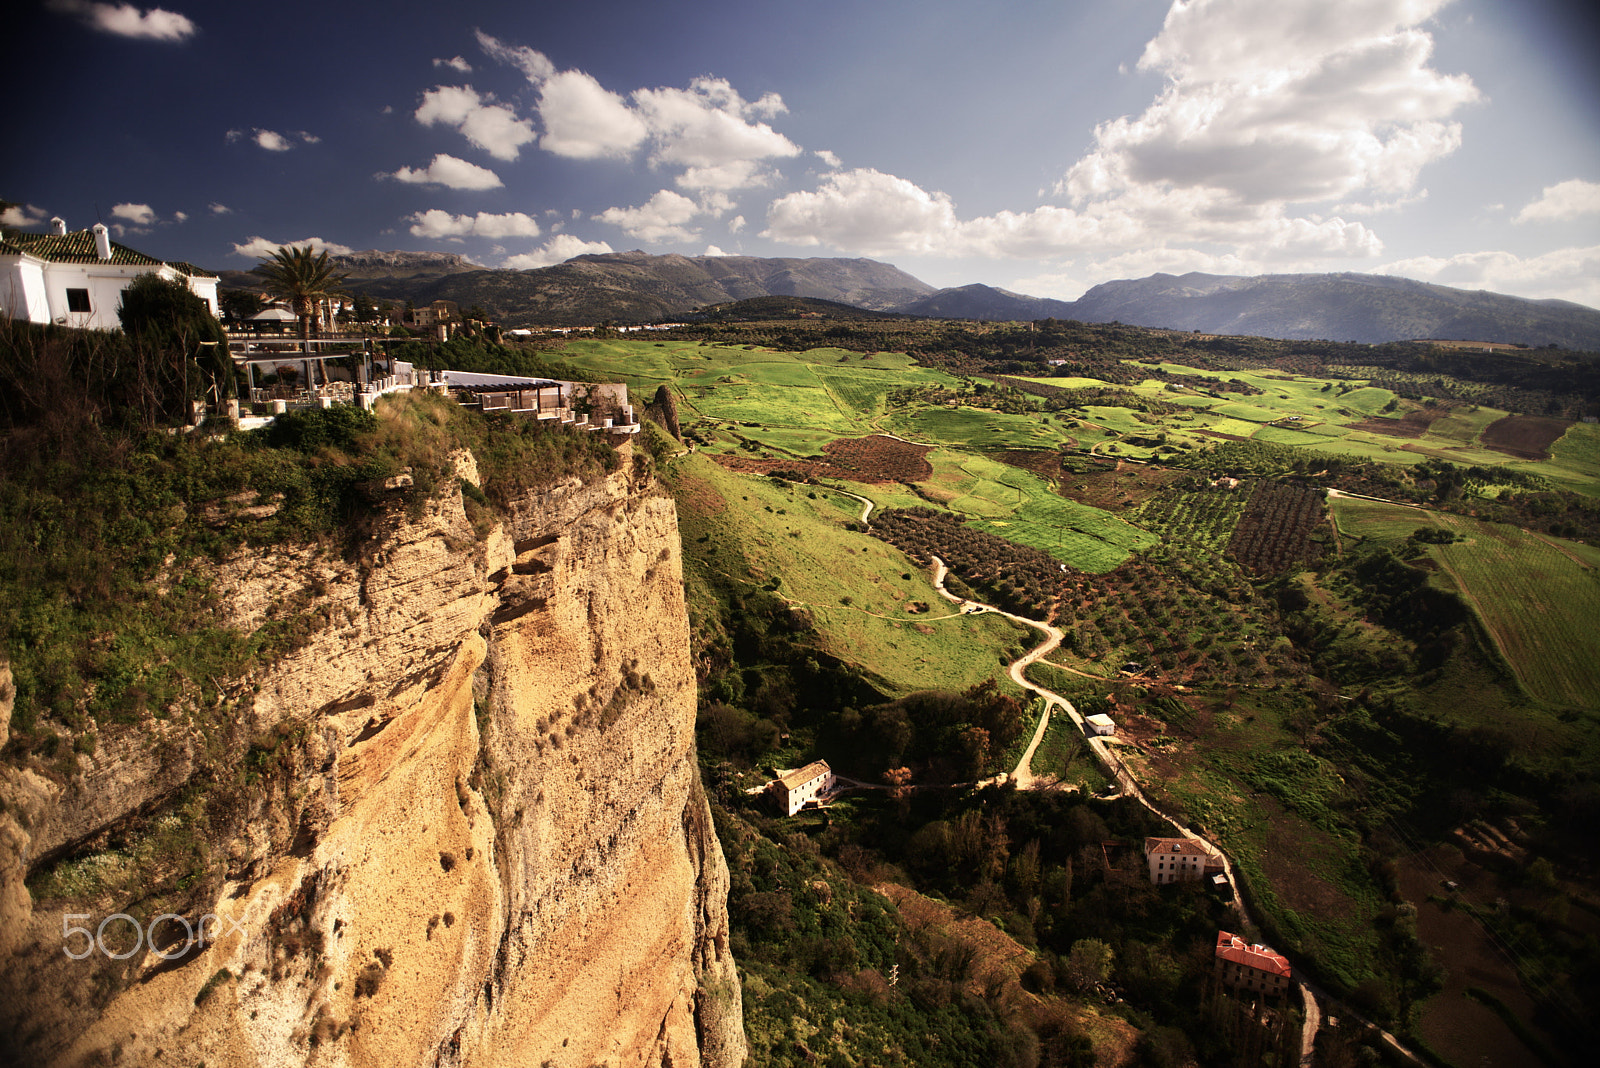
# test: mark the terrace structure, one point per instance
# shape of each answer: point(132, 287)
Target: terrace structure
point(1179, 860)
point(1254, 969)
point(76, 279)
point(802, 786)
point(583, 405)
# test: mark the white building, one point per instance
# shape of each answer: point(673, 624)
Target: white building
point(1101, 724)
point(798, 787)
point(76, 279)
point(1175, 860)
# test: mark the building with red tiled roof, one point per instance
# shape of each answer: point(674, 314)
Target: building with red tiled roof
point(1251, 968)
point(77, 279)
point(1179, 860)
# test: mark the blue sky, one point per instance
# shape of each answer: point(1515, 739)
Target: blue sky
point(1042, 147)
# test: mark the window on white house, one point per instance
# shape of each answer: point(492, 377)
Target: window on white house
point(78, 300)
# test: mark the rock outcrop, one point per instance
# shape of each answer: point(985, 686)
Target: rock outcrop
point(467, 825)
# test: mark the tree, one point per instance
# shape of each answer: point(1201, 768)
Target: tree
point(1088, 964)
point(302, 279)
point(239, 304)
point(176, 326)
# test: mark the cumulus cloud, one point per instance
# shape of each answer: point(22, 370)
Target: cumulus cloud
point(271, 140)
point(450, 172)
point(1279, 124)
point(22, 215)
point(492, 127)
point(137, 214)
point(125, 20)
point(1565, 274)
point(454, 63)
point(877, 214)
point(558, 249)
point(584, 120)
point(662, 218)
point(736, 224)
point(708, 128)
point(712, 250)
point(1269, 104)
point(219, 209)
point(1563, 201)
point(829, 159)
point(261, 248)
point(437, 223)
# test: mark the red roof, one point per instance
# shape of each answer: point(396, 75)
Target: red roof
point(1181, 846)
point(1233, 948)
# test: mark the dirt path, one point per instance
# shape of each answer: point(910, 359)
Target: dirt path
point(1023, 776)
point(1562, 549)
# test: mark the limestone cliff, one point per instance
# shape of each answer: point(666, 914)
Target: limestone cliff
point(467, 821)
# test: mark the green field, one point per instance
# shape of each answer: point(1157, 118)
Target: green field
point(782, 532)
point(1536, 596)
point(1539, 600)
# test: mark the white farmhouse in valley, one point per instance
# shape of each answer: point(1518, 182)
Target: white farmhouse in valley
point(76, 279)
point(1179, 860)
point(794, 790)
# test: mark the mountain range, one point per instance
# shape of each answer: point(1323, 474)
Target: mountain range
point(640, 287)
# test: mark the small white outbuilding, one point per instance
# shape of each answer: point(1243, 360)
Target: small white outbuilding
point(1101, 725)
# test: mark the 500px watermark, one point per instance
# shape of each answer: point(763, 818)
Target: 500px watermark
point(196, 933)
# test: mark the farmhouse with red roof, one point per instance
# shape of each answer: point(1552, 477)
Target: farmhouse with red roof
point(1254, 969)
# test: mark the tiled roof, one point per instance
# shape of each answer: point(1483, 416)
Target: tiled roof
point(805, 774)
point(78, 247)
point(1231, 947)
point(1182, 846)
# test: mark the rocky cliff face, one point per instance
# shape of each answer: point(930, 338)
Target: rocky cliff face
point(467, 822)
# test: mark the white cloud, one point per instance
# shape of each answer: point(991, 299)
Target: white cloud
point(180, 216)
point(534, 65)
point(1565, 274)
point(736, 224)
point(22, 215)
point(436, 223)
point(492, 127)
point(220, 209)
point(661, 218)
point(271, 140)
point(450, 172)
point(137, 214)
point(584, 120)
point(708, 128)
point(558, 249)
point(725, 177)
point(1562, 201)
point(828, 158)
point(454, 63)
point(1268, 105)
point(712, 250)
point(1053, 285)
point(710, 125)
point(876, 214)
point(125, 20)
point(260, 247)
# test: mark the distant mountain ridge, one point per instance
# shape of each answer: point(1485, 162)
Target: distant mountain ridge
point(641, 287)
point(1338, 307)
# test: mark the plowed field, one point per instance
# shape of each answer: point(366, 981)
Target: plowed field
point(1527, 437)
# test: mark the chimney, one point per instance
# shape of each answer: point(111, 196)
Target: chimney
point(58, 226)
point(102, 241)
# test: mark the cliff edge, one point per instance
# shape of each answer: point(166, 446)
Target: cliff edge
point(464, 820)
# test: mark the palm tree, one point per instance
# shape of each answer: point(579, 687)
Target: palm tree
point(304, 280)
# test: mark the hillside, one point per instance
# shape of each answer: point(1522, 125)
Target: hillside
point(987, 302)
point(1341, 307)
point(637, 287)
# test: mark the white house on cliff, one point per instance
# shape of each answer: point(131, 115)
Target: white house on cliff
point(77, 279)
